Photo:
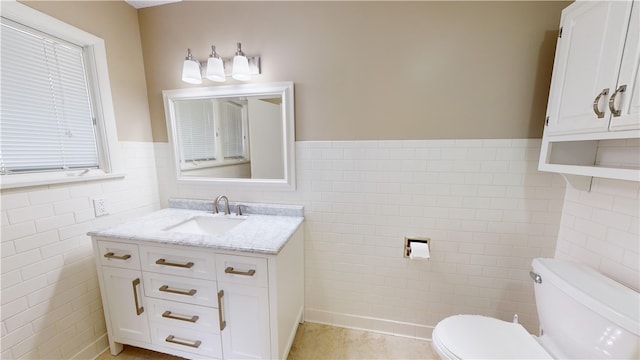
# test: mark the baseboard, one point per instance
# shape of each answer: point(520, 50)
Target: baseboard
point(93, 350)
point(383, 326)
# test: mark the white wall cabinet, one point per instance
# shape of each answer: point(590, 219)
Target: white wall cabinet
point(590, 51)
point(594, 92)
point(201, 302)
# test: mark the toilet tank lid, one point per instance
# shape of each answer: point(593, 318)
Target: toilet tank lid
point(614, 301)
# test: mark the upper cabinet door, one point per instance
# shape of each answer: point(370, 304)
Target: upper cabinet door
point(587, 62)
point(627, 100)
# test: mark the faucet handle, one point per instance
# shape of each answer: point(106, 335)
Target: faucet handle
point(238, 210)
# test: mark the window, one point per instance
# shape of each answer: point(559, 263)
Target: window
point(197, 130)
point(53, 126)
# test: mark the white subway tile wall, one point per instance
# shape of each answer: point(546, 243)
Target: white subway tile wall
point(51, 306)
point(601, 228)
point(486, 208)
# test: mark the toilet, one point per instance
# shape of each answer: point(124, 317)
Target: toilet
point(583, 315)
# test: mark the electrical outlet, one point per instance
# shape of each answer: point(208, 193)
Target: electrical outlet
point(100, 207)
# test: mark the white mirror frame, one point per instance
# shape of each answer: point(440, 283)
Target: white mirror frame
point(285, 89)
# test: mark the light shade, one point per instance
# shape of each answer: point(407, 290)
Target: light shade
point(240, 69)
point(215, 67)
point(191, 72)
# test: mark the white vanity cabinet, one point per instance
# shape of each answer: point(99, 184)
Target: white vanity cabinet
point(245, 303)
point(594, 95)
point(201, 302)
point(121, 283)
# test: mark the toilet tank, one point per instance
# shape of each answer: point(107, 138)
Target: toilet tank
point(583, 314)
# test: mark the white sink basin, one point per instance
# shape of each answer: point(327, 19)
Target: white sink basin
point(207, 225)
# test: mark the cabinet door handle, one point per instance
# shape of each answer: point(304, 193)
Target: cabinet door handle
point(188, 265)
point(165, 288)
point(193, 344)
point(596, 103)
point(135, 283)
point(111, 255)
point(167, 314)
point(223, 323)
point(612, 105)
point(230, 270)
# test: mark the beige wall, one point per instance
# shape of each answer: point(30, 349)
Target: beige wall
point(374, 70)
point(117, 23)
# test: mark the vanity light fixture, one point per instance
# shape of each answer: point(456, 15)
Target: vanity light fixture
point(240, 67)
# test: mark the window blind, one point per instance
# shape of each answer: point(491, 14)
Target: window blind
point(197, 130)
point(46, 118)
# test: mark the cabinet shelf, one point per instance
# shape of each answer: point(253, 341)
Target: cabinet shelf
point(609, 155)
point(594, 170)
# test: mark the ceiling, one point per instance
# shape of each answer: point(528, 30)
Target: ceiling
point(139, 4)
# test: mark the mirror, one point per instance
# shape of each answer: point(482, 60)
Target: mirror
point(238, 134)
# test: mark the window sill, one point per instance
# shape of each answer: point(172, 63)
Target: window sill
point(213, 164)
point(27, 180)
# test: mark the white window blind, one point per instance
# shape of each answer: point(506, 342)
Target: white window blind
point(46, 118)
point(232, 125)
point(197, 130)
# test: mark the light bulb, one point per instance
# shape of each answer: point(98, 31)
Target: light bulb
point(191, 72)
point(215, 67)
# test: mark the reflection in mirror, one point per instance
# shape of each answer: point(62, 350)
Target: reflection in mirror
point(234, 134)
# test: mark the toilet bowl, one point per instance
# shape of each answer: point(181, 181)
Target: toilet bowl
point(482, 337)
point(583, 315)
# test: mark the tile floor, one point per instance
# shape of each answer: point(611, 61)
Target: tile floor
point(317, 341)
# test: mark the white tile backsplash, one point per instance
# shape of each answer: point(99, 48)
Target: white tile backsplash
point(485, 206)
point(51, 306)
point(600, 228)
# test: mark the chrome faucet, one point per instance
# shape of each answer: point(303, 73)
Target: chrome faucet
point(227, 211)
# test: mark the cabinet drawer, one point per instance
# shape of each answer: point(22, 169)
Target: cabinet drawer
point(119, 254)
point(190, 263)
point(194, 317)
point(182, 289)
point(241, 269)
point(207, 345)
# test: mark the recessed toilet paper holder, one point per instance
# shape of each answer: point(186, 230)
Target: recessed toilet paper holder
point(414, 239)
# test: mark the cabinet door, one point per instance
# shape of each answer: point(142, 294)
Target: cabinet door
point(124, 296)
point(586, 65)
point(245, 311)
point(628, 102)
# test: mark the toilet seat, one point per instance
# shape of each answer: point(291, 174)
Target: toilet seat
point(481, 337)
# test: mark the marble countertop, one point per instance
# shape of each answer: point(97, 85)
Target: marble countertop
point(266, 234)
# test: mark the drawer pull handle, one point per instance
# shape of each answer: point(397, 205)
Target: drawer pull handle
point(172, 339)
point(188, 265)
point(165, 288)
point(111, 255)
point(139, 309)
point(169, 315)
point(223, 323)
point(230, 270)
